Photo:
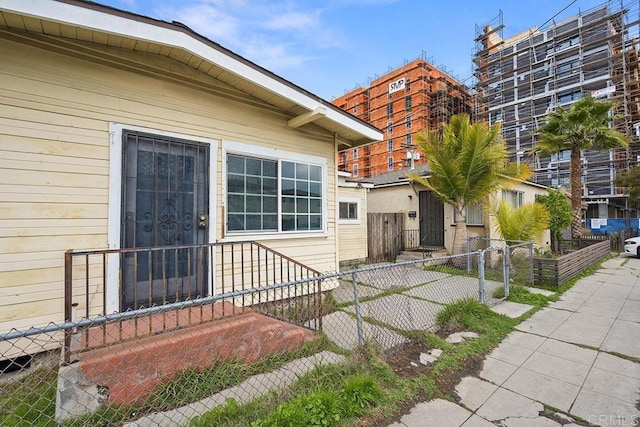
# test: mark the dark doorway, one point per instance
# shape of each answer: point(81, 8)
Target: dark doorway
point(431, 212)
point(165, 200)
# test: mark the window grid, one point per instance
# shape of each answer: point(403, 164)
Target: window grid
point(261, 191)
point(390, 163)
point(348, 210)
point(301, 191)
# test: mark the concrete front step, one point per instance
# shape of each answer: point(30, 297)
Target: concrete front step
point(416, 255)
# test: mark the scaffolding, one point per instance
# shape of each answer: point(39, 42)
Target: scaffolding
point(428, 100)
point(519, 80)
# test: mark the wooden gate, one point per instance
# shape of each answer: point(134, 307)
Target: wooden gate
point(384, 236)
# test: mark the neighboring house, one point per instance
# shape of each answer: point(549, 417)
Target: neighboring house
point(121, 131)
point(352, 219)
point(427, 221)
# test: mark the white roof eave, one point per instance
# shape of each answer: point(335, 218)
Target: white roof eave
point(118, 25)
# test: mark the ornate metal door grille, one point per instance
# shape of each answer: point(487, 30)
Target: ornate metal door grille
point(165, 200)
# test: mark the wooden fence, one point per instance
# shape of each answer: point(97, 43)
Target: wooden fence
point(384, 236)
point(556, 271)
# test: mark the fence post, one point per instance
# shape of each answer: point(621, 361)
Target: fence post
point(531, 263)
point(481, 276)
point(507, 273)
point(356, 303)
point(469, 255)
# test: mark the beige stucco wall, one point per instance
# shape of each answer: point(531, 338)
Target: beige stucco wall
point(55, 146)
point(530, 191)
point(404, 198)
point(352, 234)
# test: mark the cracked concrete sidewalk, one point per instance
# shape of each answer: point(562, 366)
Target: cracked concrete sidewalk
point(575, 362)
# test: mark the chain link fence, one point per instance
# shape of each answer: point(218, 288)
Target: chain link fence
point(167, 364)
point(507, 261)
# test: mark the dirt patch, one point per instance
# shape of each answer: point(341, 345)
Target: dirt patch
point(405, 359)
point(405, 362)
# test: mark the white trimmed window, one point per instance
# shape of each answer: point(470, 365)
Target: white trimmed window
point(408, 123)
point(390, 145)
point(390, 163)
point(355, 170)
point(516, 198)
point(349, 211)
point(475, 215)
point(269, 194)
point(355, 154)
point(390, 128)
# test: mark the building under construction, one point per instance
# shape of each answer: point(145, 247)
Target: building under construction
point(401, 103)
point(522, 78)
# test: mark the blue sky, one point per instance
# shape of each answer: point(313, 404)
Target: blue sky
point(329, 47)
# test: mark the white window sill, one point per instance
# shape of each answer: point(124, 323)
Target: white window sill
point(230, 238)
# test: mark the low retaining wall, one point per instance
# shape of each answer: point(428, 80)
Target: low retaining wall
point(556, 271)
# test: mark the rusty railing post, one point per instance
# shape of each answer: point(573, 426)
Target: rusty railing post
point(68, 296)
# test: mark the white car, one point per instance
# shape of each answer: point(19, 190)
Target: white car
point(632, 246)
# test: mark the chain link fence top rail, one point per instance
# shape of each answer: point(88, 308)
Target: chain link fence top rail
point(251, 345)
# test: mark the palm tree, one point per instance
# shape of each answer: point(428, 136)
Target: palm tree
point(523, 223)
point(585, 126)
point(468, 162)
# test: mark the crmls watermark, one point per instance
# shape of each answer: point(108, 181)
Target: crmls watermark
point(614, 420)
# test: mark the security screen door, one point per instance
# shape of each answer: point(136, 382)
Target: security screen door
point(165, 208)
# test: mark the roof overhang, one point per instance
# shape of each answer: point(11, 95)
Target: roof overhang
point(95, 23)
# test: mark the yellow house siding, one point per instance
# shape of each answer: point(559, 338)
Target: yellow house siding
point(55, 112)
point(352, 237)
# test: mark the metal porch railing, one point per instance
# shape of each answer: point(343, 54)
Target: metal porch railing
point(101, 282)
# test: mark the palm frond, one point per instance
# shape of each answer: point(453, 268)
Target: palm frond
point(523, 223)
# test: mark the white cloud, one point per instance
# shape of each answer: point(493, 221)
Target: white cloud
point(278, 35)
point(294, 21)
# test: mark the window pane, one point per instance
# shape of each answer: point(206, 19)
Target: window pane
point(270, 204)
point(344, 210)
point(254, 185)
point(302, 205)
point(254, 167)
point(269, 169)
point(302, 188)
point(287, 187)
point(353, 211)
point(270, 222)
point(302, 222)
point(270, 186)
point(254, 204)
point(315, 206)
point(235, 222)
point(236, 203)
point(315, 173)
point(315, 189)
point(235, 184)
point(288, 222)
point(288, 170)
point(302, 171)
point(315, 222)
point(235, 164)
point(254, 222)
point(288, 205)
